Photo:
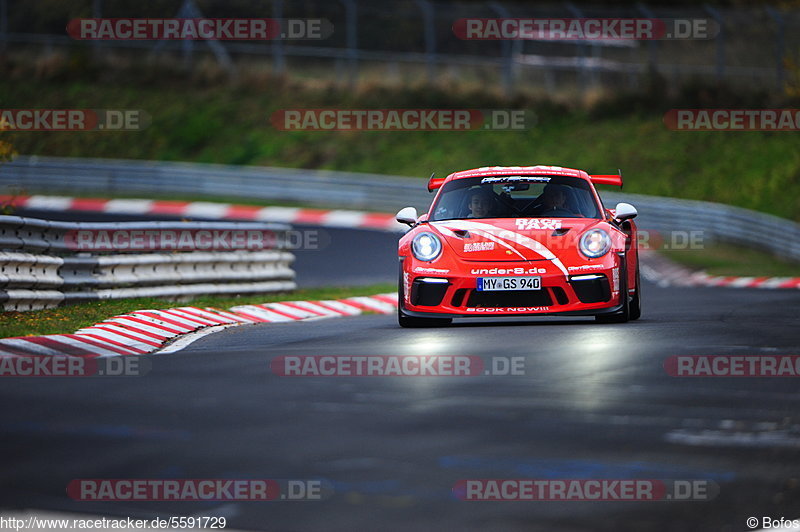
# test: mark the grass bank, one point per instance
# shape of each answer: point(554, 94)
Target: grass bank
point(727, 259)
point(220, 124)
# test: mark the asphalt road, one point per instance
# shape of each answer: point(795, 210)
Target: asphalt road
point(594, 402)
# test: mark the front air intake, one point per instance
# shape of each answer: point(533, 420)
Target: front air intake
point(591, 288)
point(428, 292)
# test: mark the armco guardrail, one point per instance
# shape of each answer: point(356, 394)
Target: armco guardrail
point(42, 263)
point(152, 178)
point(367, 191)
point(717, 222)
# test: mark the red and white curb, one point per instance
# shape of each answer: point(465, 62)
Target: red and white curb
point(654, 267)
point(203, 209)
point(150, 331)
point(664, 272)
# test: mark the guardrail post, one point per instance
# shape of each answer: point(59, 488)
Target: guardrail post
point(652, 44)
point(715, 14)
point(97, 12)
point(278, 54)
point(3, 26)
point(351, 16)
point(581, 49)
point(508, 66)
point(780, 45)
point(430, 38)
point(187, 45)
point(190, 10)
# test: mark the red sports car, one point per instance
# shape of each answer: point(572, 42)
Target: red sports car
point(518, 241)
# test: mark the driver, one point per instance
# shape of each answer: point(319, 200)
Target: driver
point(481, 204)
point(554, 198)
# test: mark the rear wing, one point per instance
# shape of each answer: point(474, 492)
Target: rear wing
point(435, 182)
point(607, 179)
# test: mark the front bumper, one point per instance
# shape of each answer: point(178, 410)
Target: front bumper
point(582, 292)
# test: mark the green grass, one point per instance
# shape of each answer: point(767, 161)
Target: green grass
point(220, 124)
point(70, 318)
point(727, 259)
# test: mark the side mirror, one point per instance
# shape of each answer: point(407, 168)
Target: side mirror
point(407, 215)
point(625, 211)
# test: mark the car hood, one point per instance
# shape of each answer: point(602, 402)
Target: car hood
point(513, 239)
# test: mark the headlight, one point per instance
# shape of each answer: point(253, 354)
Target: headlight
point(426, 246)
point(595, 243)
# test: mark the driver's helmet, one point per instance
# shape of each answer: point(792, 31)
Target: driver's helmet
point(483, 192)
point(555, 188)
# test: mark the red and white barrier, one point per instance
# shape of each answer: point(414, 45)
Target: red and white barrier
point(216, 211)
point(654, 268)
point(666, 273)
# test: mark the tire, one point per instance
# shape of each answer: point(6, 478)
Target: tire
point(636, 303)
point(411, 322)
point(619, 317)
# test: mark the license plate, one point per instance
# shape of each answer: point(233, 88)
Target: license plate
point(494, 284)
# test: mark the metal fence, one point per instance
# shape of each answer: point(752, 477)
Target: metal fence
point(362, 191)
point(41, 268)
point(716, 222)
point(405, 40)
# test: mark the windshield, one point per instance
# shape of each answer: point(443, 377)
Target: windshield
point(515, 197)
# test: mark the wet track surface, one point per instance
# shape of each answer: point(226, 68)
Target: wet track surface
point(595, 402)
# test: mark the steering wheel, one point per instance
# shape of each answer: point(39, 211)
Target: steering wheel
point(556, 212)
point(508, 202)
point(559, 212)
point(531, 207)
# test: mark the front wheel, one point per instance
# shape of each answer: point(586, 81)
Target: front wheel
point(619, 317)
point(636, 302)
point(624, 314)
